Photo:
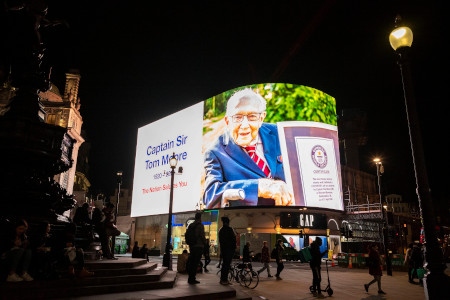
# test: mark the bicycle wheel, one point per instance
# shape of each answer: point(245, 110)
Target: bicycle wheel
point(245, 277)
point(254, 279)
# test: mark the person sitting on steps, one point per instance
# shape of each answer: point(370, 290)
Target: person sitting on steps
point(18, 255)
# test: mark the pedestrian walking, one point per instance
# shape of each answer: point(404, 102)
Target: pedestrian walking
point(375, 268)
point(265, 259)
point(314, 264)
point(246, 255)
point(279, 258)
point(227, 241)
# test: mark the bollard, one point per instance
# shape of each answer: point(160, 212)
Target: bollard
point(350, 264)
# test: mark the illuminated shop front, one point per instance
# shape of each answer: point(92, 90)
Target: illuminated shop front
point(254, 225)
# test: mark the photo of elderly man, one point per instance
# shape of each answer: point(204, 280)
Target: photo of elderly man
point(244, 166)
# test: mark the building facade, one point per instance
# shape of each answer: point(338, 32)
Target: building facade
point(64, 111)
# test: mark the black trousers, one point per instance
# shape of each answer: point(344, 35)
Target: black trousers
point(195, 257)
point(227, 257)
point(280, 267)
point(317, 278)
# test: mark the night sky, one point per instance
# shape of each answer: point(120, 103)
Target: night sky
point(143, 60)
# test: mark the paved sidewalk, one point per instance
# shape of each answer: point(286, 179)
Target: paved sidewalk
point(347, 284)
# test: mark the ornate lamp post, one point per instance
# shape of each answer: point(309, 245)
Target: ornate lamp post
point(380, 170)
point(167, 258)
point(119, 183)
point(436, 283)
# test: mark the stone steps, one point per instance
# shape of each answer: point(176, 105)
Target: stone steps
point(110, 276)
point(121, 279)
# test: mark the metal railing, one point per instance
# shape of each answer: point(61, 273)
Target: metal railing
point(364, 208)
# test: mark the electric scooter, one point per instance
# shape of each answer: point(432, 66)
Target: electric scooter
point(328, 288)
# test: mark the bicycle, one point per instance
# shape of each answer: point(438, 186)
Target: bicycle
point(250, 276)
point(232, 272)
point(242, 273)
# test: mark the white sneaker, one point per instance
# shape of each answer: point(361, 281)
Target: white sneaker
point(27, 277)
point(14, 278)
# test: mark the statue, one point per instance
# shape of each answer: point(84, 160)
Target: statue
point(31, 151)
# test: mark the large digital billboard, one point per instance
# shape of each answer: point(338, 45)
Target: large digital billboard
point(261, 145)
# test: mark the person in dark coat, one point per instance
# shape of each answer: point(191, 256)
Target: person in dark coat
point(227, 241)
point(265, 259)
point(246, 257)
point(98, 220)
point(81, 217)
point(246, 253)
point(135, 253)
point(279, 258)
point(417, 261)
point(196, 250)
point(375, 268)
point(143, 252)
point(314, 264)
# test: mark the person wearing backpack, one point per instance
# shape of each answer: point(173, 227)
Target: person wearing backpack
point(196, 248)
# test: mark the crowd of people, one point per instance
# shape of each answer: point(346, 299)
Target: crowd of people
point(38, 252)
point(103, 221)
point(41, 255)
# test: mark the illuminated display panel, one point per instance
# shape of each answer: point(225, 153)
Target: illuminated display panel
point(303, 118)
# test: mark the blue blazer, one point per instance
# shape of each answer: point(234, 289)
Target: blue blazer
point(228, 166)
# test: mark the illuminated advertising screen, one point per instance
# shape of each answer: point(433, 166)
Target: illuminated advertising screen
point(261, 145)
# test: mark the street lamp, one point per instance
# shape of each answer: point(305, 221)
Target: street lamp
point(167, 258)
point(436, 282)
point(380, 170)
point(119, 183)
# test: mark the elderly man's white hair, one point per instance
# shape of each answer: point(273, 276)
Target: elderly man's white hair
point(244, 96)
